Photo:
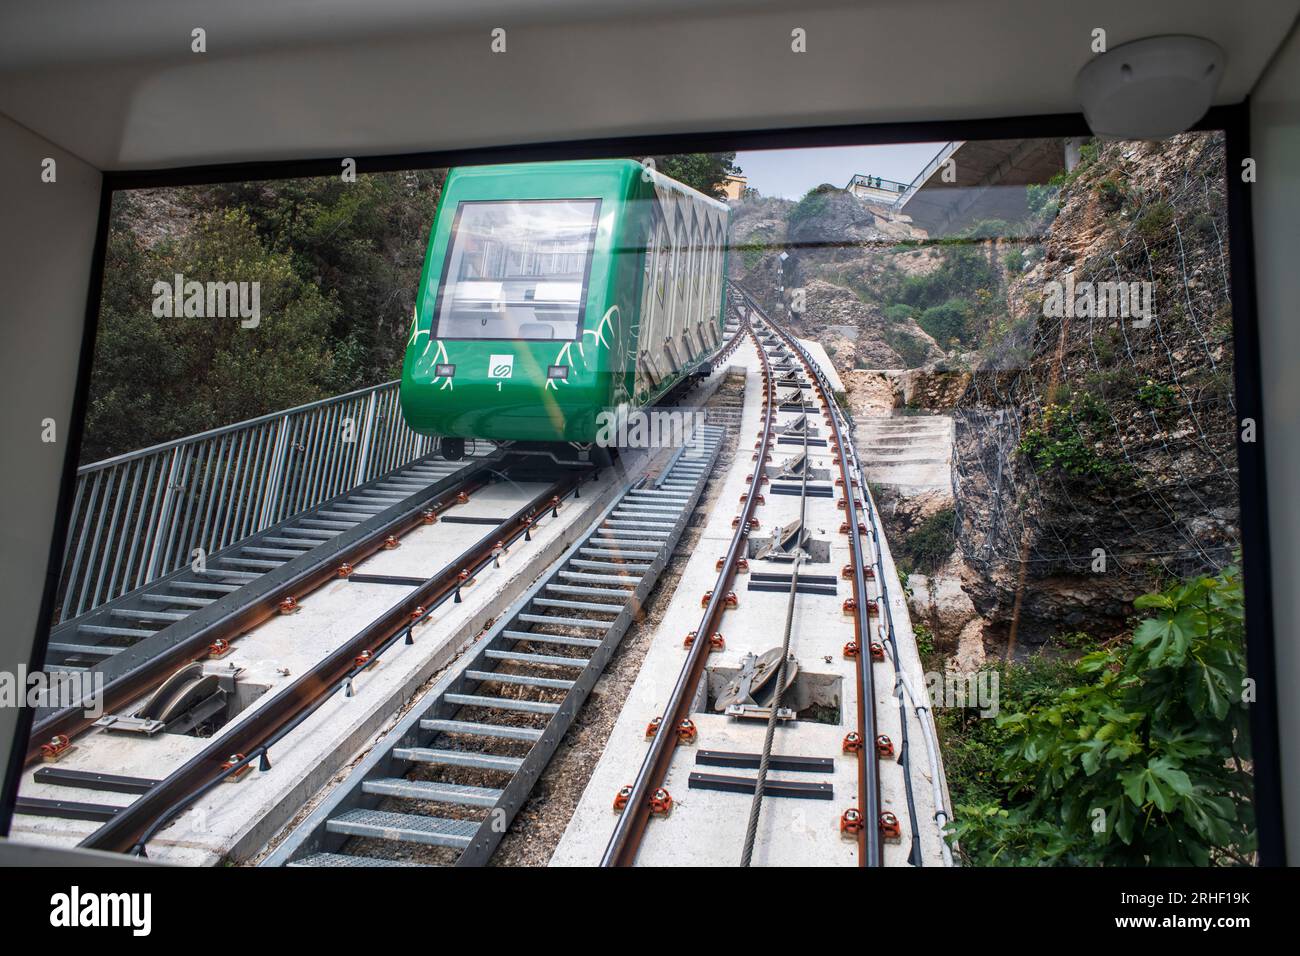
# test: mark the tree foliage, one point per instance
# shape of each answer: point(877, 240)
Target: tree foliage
point(160, 378)
point(363, 244)
point(703, 171)
point(338, 265)
point(1145, 761)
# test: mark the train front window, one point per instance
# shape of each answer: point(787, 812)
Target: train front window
point(517, 270)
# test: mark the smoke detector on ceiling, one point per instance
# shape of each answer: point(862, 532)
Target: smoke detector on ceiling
point(1149, 89)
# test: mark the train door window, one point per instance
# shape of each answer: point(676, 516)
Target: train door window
point(647, 270)
point(517, 270)
point(683, 246)
point(692, 282)
point(651, 267)
point(715, 269)
point(702, 273)
point(661, 257)
point(710, 275)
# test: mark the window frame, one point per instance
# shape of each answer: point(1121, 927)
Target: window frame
point(1233, 120)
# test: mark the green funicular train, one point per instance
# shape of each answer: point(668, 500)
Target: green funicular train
point(553, 292)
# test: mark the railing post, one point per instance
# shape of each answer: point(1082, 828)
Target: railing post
point(164, 514)
point(367, 437)
point(275, 478)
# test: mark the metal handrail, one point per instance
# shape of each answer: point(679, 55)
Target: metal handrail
point(877, 182)
point(224, 429)
point(139, 516)
point(924, 175)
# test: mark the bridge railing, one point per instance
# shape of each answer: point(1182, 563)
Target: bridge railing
point(139, 516)
point(877, 182)
point(924, 175)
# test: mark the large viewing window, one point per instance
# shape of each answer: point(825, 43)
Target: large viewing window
point(517, 270)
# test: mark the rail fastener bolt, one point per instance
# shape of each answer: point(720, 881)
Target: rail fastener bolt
point(231, 761)
point(852, 742)
point(344, 570)
point(429, 516)
point(417, 613)
point(652, 728)
point(290, 605)
point(56, 747)
point(877, 652)
point(686, 731)
point(850, 606)
point(621, 798)
point(363, 659)
point(391, 543)
point(716, 642)
point(851, 650)
point(219, 647)
point(661, 802)
point(890, 829)
point(851, 822)
point(884, 746)
point(463, 497)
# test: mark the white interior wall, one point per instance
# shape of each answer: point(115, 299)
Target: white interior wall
point(1275, 203)
point(46, 245)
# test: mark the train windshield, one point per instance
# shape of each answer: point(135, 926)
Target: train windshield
point(517, 269)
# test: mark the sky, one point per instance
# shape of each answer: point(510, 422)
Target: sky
point(790, 173)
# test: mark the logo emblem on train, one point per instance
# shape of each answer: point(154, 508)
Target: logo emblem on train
point(501, 366)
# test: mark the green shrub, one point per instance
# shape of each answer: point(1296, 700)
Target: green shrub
point(899, 312)
point(1058, 442)
point(1112, 194)
point(910, 349)
point(1157, 396)
point(930, 544)
point(946, 322)
point(811, 206)
point(1155, 221)
point(1142, 758)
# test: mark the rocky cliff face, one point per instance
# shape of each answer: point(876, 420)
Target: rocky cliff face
point(1093, 453)
point(1104, 458)
point(842, 256)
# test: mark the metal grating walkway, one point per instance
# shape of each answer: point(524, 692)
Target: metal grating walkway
point(497, 718)
point(151, 616)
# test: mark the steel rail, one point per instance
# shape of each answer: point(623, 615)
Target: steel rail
point(916, 856)
point(870, 843)
point(285, 710)
point(630, 828)
point(128, 687)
